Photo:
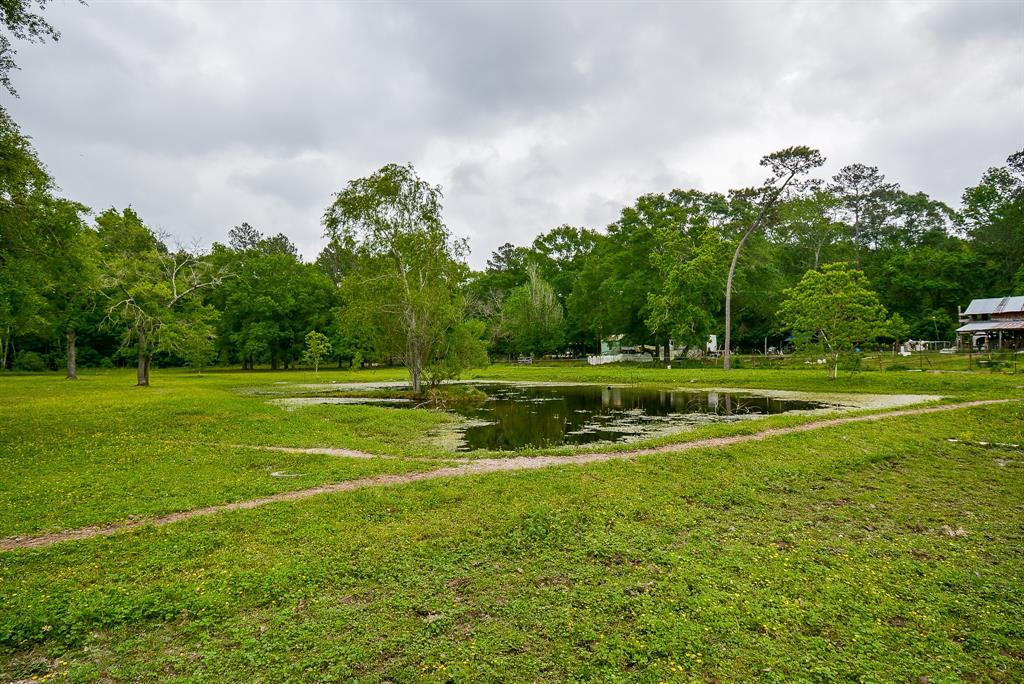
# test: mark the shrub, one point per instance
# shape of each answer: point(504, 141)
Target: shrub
point(28, 361)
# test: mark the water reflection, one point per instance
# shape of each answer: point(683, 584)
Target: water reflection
point(537, 416)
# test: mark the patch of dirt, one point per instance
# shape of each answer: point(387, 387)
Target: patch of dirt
point(474, 467)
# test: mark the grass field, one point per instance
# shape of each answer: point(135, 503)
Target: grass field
point(877, 551)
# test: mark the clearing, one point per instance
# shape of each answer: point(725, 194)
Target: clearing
point(793, 547)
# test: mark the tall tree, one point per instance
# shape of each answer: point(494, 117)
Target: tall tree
point(561, 255)
point(271, 301)
point(689, 300)
point(487, 291)
point(405, 290)
point(993, 213)
point(532, 317)
point(808, 223)
point(48, 270)
point(787, 167)
point(25, 189)
point(74, 272)
point(864, 196)
point(611, 292)
point(148, 287)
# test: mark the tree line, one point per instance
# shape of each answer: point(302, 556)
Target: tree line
point(392, 285)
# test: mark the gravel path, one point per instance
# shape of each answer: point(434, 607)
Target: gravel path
point(468, 467)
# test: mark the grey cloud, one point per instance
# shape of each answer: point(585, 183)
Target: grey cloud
point(297, 181)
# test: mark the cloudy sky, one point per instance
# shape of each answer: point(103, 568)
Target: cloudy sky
point(530, 115)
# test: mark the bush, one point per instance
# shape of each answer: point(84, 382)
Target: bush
point(897, 367)
point(28, 361)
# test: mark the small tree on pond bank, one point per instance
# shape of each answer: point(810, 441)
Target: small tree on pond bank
point(831, 311)
point(317, 347)
point(403, 292)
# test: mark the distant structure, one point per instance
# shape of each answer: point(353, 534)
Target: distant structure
point(614, 351)
point(992, 324)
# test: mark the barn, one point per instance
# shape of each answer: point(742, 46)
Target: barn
point(992, 324)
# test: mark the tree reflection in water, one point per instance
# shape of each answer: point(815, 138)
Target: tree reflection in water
point(521, 416)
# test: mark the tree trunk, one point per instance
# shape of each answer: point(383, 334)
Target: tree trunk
point(727, 350)
point(72, 361)
point(143, 371)
point(5, 343)
point(415, 374)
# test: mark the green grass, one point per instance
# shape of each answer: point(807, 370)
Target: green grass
point(99, 450)
point(822, 556)
point(874, 361)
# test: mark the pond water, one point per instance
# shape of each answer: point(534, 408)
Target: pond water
point(519, 416)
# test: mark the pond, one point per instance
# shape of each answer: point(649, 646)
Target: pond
point(519, 416)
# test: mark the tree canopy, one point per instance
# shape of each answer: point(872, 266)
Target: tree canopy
point(404, 292)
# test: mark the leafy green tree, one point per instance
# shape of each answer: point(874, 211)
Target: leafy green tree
point(808, 224)
point(48, 265)
point(147, 286)
point(25, 190)
point(896, 328)
point(561, 255)
point(692, 284)
point(337, 259)
point(73, 270)
point(487, 291)
point(926, 283)
point(831, 311)
point(618, 274)
point(405, 290)
point(865, 199)
point(916, 219)
point(271, 301)
point(192, 337)
point(317, 347)
point(993, 214)
point(787, 167)
point(532, 317)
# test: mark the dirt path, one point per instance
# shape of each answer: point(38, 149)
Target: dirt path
point(469, 467)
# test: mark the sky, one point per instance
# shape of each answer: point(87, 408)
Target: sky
point(202, 115)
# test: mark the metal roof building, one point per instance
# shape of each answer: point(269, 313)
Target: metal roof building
point(997, 322)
